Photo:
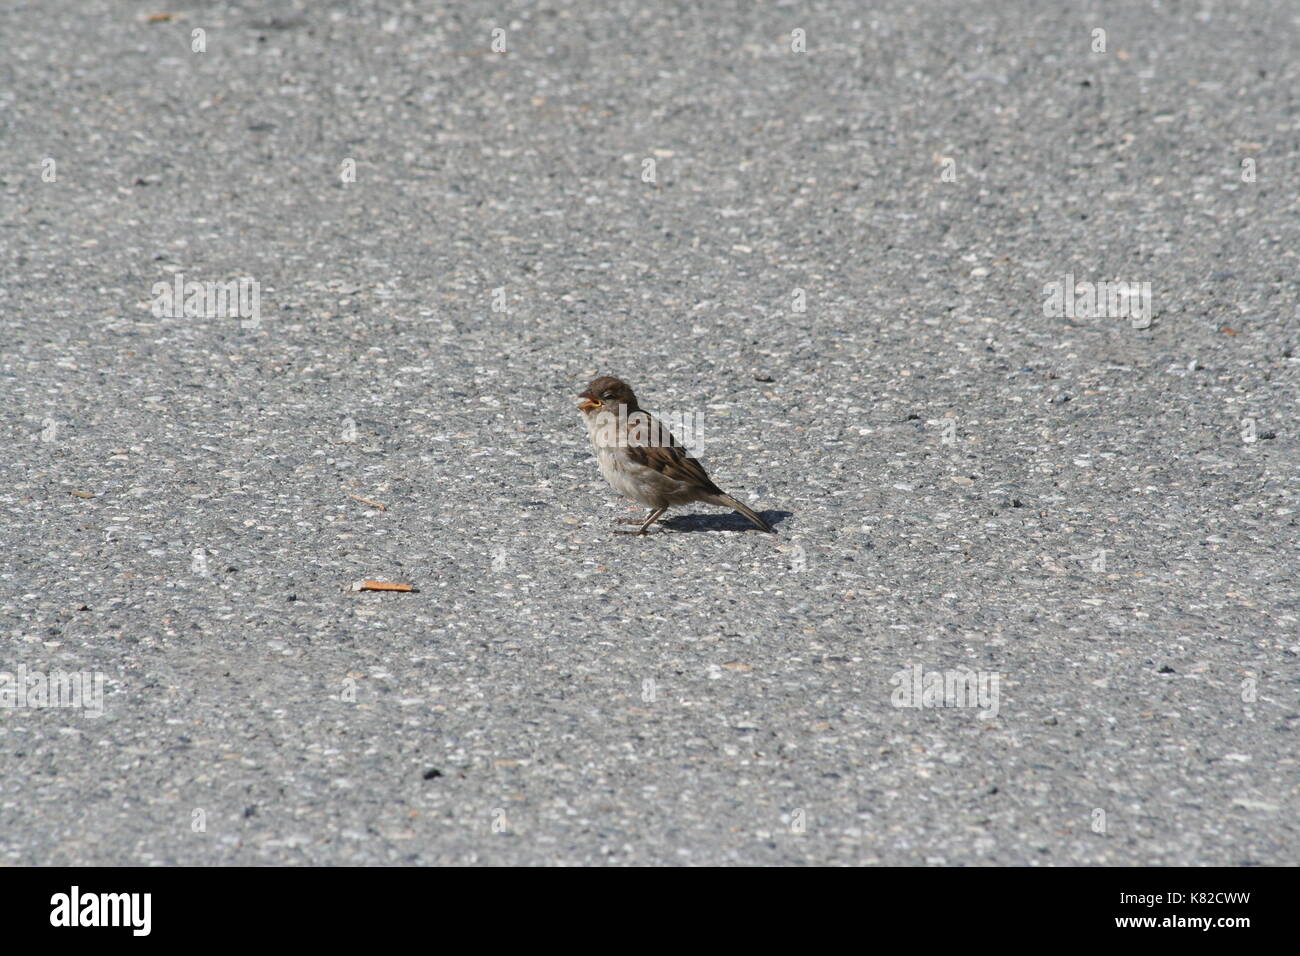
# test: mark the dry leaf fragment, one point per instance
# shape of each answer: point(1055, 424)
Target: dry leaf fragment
point(382, 586)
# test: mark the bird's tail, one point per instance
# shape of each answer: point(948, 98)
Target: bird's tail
point(726, 501)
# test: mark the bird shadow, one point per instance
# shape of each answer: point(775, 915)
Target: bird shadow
point(733, 521)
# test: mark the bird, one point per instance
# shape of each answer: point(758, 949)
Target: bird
point(641, 458)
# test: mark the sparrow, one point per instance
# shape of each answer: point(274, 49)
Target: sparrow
point(642, 460)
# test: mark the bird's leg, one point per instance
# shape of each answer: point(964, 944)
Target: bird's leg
point(654, 515)
point(647, 523)
point(638, 519)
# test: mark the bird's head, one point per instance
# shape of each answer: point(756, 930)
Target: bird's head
point(606, 394)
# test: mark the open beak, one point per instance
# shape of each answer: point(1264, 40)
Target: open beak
point(588, 403)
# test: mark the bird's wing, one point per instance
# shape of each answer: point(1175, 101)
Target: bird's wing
point(666, 455)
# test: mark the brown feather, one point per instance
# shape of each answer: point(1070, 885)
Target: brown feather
point(669, 458)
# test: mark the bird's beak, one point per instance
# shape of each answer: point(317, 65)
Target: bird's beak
point(588, 403)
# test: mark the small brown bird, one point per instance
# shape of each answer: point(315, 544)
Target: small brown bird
point(642, 460)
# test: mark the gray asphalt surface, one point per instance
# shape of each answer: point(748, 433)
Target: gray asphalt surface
point(1101, 516)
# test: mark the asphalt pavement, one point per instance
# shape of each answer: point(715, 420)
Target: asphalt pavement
point(1033, 594)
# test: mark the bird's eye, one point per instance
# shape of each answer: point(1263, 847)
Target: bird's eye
point(607, 396)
